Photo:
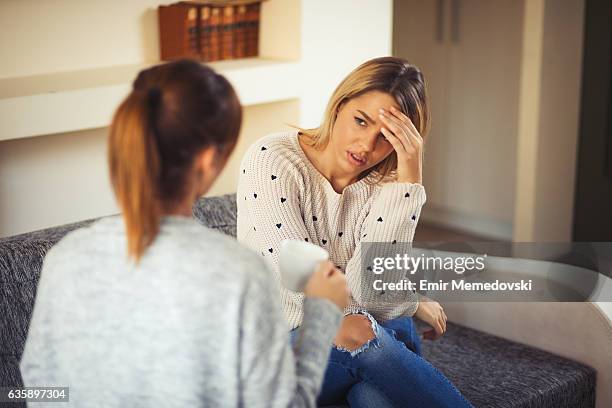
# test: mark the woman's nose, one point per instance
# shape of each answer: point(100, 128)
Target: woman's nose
point(368, 143)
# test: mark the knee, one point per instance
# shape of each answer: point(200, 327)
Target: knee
point(355, 332)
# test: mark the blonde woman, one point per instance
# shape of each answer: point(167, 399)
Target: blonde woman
point(357, 178)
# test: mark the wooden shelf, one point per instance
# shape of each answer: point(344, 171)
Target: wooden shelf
point(86, 99)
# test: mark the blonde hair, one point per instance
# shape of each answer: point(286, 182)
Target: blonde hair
point(391, 75)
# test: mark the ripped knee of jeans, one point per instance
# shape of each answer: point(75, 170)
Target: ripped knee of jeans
point(373, 342)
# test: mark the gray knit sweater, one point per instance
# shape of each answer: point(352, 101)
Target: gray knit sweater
point(281, 195)
point(195, 324)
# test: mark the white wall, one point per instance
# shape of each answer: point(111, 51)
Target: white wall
point(470, 57)
point(56, 179)
point(501, 157)
point(337, 36)
point(63, 35)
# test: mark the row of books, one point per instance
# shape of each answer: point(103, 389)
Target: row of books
point(209, 30)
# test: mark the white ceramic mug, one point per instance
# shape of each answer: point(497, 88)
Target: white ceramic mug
point(297, 261)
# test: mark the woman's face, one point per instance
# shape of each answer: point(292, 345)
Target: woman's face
point(356, 139)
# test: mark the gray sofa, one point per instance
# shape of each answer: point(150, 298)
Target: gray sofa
point(489, 371)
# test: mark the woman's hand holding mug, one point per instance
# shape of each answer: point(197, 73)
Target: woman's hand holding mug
point(399, 130)
point(329, 283)
point(304, 267)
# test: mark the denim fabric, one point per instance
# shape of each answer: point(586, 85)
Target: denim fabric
point(387, 371)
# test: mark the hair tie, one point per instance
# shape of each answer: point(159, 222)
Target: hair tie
point(154, 96)
point(153, 100)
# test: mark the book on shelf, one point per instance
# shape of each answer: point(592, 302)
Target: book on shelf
point(210, 30)
point(227, 33)
point(214, 29)
point(252, 29)
point(205, 33)
point(240, 31)
point(179, 34)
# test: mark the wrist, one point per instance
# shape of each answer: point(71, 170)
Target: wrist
point(410, 179)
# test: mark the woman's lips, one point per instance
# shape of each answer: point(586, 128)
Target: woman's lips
point(355, 159)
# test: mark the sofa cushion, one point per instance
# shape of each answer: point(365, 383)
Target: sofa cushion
point(16, 304)
point(21, 260)
point(217, 212)
point(494, 372)
point(489, 371)
point(51, 235)
point(10, 376)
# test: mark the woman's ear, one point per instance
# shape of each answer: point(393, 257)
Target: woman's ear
point(208, 165)
point(340, 105)
point(206, 160)
point(338, 109)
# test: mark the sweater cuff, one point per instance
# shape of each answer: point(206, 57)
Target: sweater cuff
point(401, 191)
point(412, 306)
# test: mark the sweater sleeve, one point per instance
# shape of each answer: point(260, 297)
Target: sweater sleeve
point(392, 219)
point(272, 373)
point(269, 190)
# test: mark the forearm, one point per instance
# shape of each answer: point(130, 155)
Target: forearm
point(387, 232)
point(312, 347)
point(273, 373)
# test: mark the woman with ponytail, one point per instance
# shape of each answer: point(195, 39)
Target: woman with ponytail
point(149, 308)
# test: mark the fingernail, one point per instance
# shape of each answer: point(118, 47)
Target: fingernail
point(381, 110)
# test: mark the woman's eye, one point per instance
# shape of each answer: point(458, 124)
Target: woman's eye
point(360, 121)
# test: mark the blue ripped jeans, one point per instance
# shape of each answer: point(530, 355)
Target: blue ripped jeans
point(388, 371)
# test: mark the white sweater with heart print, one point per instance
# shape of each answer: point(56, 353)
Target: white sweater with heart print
point(281, 195)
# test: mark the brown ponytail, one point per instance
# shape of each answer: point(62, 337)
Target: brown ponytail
point(173, 112)
point(134, 171)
